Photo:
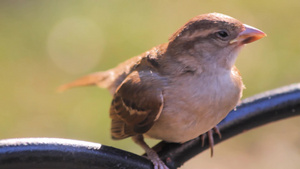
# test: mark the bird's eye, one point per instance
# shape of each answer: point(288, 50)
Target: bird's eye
point(222, 35)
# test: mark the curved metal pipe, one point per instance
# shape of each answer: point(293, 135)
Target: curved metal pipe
point(53, 153)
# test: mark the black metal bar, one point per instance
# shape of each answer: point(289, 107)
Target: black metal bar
point(53, 153)
point(48, 153)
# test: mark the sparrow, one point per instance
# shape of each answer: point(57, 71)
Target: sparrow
point(178, 90)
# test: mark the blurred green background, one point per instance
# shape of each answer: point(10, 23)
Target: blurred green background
point(44, 44)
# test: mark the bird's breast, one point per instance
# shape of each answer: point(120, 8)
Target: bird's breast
point(193, 105)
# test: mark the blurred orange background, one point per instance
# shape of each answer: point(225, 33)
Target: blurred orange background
point(44, 44)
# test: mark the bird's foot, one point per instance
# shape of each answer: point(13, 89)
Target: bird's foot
point(209, 134)
point(151, 154)
point(157, 162)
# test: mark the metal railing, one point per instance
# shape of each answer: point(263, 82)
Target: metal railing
point(48, 153)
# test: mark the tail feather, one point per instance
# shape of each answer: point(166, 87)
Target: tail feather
point(100, 78)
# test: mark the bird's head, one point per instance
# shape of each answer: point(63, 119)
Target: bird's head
point(213, 38)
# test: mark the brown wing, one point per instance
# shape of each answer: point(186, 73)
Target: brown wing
point(137, 103)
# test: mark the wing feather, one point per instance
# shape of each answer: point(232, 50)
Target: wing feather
point(137, 104)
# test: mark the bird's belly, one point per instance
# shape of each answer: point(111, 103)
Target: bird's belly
point(182, 128)
point(197, 110)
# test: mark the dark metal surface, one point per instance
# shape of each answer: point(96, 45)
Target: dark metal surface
point(53, 153)
point(48, 153)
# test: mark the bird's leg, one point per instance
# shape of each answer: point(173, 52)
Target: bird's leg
point(209, 134)
point(151, 154)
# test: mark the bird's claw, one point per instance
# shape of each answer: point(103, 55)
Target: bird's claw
point(157, 162)
point(209, 134)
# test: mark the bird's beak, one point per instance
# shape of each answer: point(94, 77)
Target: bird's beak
point(250, 34)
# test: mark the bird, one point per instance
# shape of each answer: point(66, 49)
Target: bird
point(180, 89)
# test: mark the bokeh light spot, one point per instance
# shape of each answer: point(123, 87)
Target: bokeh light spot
point(75, 45)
